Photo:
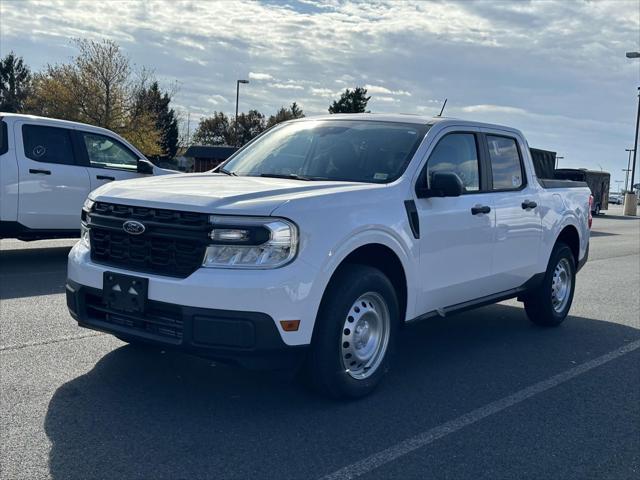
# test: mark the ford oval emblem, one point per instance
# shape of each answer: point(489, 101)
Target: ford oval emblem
point(132, 227)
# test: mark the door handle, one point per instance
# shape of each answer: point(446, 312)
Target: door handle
point(480, 209)
point(528, 204)
point(105, 177)
point(36, 171)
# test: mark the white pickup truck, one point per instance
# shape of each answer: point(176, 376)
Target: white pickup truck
point(316, 242)
point(49, 166)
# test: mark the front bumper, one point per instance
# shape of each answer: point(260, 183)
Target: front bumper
point(292, 292)
point(250, 339)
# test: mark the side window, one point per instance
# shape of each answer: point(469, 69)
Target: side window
point(107, 152)
point(48, 144)
point(506, 166)
point(457, 153)
point(4, 141)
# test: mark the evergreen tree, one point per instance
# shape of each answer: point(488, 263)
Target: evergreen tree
point(156, 103)
point(284, 114)
point(15, 83)
point(351, 101)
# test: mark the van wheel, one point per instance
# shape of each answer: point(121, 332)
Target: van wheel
point(549, 304)
point(354, 334)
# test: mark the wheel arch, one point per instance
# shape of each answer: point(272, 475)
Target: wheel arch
point(380, 255)
point(570, 236)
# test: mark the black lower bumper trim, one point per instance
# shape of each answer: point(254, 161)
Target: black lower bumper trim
point(584, 259)
point(250, 339)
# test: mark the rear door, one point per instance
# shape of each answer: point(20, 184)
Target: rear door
point(52, 183)
point(518, 216)
point(456, 239)
point(107, 158)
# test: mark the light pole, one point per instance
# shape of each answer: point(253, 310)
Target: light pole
point(630, 199)
point(557, 162)
point(626, 178)
point(235, 130)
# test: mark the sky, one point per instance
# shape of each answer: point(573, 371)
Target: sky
point(554, 69)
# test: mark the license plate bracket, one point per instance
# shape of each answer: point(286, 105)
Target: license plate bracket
point(125, 293)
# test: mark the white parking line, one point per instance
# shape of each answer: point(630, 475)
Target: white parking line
point(425, 438)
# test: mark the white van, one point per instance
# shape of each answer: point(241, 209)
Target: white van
point(49, 166)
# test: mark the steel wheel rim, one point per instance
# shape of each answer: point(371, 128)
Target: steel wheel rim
point(365, 336)
point(561, 285)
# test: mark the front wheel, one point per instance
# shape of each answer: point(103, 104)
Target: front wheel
point(355, 332)
point(549, 304)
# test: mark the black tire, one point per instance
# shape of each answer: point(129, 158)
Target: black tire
point(325, 369)
point(538, 303)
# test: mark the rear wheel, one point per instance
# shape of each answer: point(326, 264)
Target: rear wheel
point(549, 304)
point(355, 332)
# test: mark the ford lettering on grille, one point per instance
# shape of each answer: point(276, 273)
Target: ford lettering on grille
point(132, 227)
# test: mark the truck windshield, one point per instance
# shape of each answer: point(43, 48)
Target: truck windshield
point(342, 150)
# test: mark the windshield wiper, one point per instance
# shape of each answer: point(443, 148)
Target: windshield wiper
point(294, 176)
point(227, 172)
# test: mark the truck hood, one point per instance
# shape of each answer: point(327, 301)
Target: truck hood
point(217, 193)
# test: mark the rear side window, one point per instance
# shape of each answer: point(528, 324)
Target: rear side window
point(457, 153)
point(4, 141)
point(506, 165)
point(48, 144)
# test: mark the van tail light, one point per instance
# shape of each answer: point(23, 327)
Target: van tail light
point(590, 210)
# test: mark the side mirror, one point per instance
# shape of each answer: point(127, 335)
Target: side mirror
point(145, 166)
point(443, 184)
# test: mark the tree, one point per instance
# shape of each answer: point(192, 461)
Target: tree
point(98, 87)
point(284, 114)
point(214, 130)
point(249, 126)
point(15, 83)
point(351, 101)
point(156, 103)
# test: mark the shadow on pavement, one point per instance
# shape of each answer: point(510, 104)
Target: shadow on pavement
point(32, 272)
point(144, 413)
point(595, 233)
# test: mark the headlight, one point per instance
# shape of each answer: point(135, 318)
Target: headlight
point(251, 242)
point(84, 235)
point(88, 204)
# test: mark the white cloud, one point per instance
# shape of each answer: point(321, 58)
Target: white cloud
point(373, 89)
point(286, 86)
point(216, 99)
point(385, 99)
point(260, 76)
point(493, 109)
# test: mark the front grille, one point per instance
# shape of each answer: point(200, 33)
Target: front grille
point(173, 243)
point(160, 320)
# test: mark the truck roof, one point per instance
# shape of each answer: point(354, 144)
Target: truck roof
point(406, 118)
point(66, 123)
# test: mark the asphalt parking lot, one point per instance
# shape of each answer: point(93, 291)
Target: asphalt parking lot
point(484, 394)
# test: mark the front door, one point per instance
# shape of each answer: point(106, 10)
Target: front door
point(456, 233)
point(107, 158)
point(53, 185)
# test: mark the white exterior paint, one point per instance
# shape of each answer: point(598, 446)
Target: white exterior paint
point(459, 257)
point(52, 201)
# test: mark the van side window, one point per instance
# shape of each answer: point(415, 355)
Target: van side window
point(457, 153)
point(48, 144)
point(4, 141)
point(107, 152)
point(506, 165)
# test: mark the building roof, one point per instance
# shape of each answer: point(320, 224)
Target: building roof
point(214, 152)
